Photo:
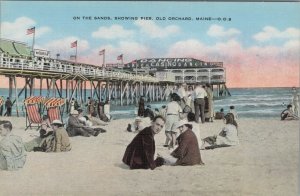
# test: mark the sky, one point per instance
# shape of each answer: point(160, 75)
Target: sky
point(258, 42)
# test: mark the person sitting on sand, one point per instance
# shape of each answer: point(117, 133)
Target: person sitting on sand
point(12, 151)
point(195, 129)
point(75, 127)
point(35, 144)
point(62, 142)
point(227, 137)
point(136, 126)
point(85, 120)
point(139, 153)
point(288, 114)
point(96, 121)
point(46, 125)
point(187, 152)
point(219, 115)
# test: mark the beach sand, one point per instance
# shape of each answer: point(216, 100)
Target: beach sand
point(265, 163)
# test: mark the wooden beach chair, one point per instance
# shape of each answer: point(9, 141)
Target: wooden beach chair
point(33, 116)
point(53, 106)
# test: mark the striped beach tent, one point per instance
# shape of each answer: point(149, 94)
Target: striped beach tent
point(33, 115)
point(53, 106)
point(1, 101)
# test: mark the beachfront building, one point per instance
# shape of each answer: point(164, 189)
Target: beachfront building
point(183, 70)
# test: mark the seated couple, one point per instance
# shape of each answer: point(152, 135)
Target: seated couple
point(51, 141)
point(76, 127)
point(139, 153)
point(227, 137)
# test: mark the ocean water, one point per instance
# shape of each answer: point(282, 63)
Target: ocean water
point(249, 103)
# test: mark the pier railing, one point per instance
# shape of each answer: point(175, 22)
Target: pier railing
point(57, 66)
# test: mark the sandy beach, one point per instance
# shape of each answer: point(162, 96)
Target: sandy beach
point(265, 163)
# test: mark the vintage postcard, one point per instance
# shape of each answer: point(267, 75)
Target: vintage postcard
point(149, 98)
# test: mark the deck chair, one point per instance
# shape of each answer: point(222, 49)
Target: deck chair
point(54, 113)
point(53, 106)
point(33, 116)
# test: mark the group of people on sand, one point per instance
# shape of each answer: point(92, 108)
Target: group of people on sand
point(94, 107)
point(53, 137)
point(182, 129)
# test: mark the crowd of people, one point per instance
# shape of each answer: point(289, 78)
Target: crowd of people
point(180, 119)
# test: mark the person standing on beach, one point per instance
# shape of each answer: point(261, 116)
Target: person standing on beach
point(1, 105)
point(8, 106)
point(139, 154)
point(141, 108)
point(182, 94)
point(295, 102)
point(199, 103)
point(233, 111)
point(210, 97)
point(12, 150)
point(173, 111)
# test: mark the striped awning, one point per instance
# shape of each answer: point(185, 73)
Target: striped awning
point(33, 100)
point(54, 102)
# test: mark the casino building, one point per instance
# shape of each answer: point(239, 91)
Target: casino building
point(180, 70)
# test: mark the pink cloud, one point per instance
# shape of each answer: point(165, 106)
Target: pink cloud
point(268, 66)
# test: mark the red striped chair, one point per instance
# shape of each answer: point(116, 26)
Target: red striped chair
point(53, 106)
point(54, 113)
point(33, 115)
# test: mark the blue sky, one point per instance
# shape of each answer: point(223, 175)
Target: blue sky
point(254, 28)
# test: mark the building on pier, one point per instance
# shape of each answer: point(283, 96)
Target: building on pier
point(183, 70)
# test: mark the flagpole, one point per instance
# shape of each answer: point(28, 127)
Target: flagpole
point(135, 68)
point(76, 53)
point(33, 40)
point(104, 59)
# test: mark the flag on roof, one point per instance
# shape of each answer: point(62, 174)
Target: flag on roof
point(31, 30)
point(102, 52)
point(120, 57)
point(74, 44)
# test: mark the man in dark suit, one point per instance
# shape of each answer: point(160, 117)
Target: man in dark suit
point(139, 153)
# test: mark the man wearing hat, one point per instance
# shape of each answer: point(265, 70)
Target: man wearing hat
point(76, 128)
point(62, 142)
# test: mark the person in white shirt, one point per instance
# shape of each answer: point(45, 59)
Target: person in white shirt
point(182, 94)
point(107, 109)
point(199, 103)
point(173, 111)
point(227, 137)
